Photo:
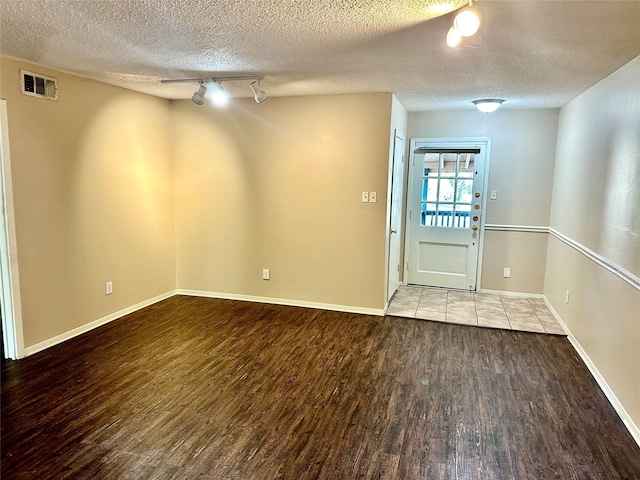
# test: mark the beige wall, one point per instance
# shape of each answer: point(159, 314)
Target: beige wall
point(597, 195)
point(521, 169)
point(596, 203)
point(93, 200)
point(278, 186)
point(524, 253)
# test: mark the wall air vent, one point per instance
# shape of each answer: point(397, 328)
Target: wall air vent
point(37, 85)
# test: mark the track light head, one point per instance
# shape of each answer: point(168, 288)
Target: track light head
point(259, 94)
point(454, 39)
point(220, 96)
point(198, 97)
point(467, 22)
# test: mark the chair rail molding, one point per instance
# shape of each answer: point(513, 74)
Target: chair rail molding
point(605, 263)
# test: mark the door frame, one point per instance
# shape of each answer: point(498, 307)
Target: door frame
point(485, 144)
point(392, 194)
point(11, 306)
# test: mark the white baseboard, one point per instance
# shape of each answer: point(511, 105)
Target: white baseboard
point(282, 301)
point(38, 347)
point(511, 294)
point(604, 386)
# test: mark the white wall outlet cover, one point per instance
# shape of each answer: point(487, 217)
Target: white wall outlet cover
point(365, 197)
point(494, 194)
point(373, 197)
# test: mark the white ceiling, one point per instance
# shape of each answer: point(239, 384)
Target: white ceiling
point(534, 54)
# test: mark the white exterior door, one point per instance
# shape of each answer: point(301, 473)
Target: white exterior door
point(445, 205)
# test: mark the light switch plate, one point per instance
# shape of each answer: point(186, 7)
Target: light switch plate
point(494, 195)
point(373, 197)
point(365, 197)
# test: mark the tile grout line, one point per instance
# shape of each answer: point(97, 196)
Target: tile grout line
point(446, 308)
point(535, 312)
point(415, 312)
point(475, 308)
point(506, 314)
point(536, 315)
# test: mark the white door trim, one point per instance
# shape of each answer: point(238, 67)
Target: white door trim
point(390, 198)
point(486, 142)
point(9, 278)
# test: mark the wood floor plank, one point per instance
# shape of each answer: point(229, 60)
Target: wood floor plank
point(195, 388)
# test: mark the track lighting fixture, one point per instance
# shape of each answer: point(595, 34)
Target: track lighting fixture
point(198, 97)
point(259, 94)
point(465, 25)
point(488, 105)
point(220, 96)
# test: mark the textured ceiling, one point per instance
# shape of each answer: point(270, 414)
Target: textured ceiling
point(535, 54)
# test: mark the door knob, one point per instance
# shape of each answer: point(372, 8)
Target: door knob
point(474, 228)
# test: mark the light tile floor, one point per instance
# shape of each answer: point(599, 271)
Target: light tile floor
point(479, 309)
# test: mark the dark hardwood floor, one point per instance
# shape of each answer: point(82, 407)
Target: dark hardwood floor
point(194, 388)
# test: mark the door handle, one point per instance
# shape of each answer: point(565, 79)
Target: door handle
point(394, 231)
point(474, 228)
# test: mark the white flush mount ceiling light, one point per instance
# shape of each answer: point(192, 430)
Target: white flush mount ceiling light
point(488, 105)
point(220, 96)
point(258, 94)
point(465, 25)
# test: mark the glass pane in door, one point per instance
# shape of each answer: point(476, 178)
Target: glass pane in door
point(464, 190)
point(431, 164)
point(467, 165)
point(461, 218)
point(449, 163)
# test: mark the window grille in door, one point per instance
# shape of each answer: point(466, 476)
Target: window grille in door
point(447, 188)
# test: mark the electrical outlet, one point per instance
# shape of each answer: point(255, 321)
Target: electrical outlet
point(365, 197)
point(494, 195)
point(265, 274)
point(373, 197)
point(507, 272)
point(566, 297)
point(109, 288)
